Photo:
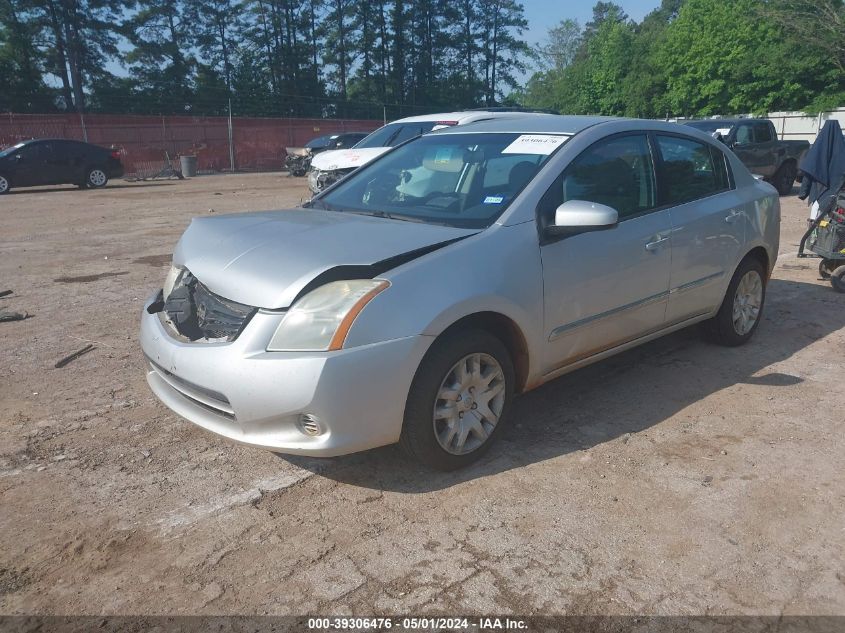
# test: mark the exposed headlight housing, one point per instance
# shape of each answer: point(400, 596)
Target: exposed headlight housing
point(320, 320)
point(170, 280)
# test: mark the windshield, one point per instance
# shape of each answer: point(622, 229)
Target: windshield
point(461, 180)
point(320, 141)
point(12, 149)
point(393, 134)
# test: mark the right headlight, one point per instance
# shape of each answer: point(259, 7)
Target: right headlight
point(320, 320)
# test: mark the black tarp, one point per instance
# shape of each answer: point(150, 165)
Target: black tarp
point(823, 165)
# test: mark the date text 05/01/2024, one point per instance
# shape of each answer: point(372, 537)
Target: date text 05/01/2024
point(413, 623)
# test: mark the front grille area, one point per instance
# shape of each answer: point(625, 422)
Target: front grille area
point(197, 313)
point(319, 180)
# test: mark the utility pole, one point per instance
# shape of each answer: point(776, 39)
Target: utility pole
point(84, 130)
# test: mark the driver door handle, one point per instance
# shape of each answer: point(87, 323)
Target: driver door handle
point(658, 240)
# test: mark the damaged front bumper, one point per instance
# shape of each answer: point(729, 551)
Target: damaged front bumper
point(240, 391)
point(319, 180)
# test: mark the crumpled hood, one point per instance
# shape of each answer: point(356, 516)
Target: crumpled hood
point(346, 158)
point(265, 259)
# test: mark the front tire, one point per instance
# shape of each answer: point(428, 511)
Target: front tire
point(96, 178)
point(5, 185)
point(459, 400)
point(742, 307)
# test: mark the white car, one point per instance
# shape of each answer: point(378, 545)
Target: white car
point(329, 167)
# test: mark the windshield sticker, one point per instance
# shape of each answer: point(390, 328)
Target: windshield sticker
point(494, 199)
point(724, 131)
point(543, 144)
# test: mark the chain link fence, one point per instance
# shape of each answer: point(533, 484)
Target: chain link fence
point(146, 143)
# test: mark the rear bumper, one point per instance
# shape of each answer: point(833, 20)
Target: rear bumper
point(246, 394)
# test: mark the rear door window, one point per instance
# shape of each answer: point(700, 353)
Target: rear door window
point(688, 170)
point(47, 152)
point(762, 133)
point(743, 134)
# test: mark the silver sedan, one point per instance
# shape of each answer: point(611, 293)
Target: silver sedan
point(413, 300)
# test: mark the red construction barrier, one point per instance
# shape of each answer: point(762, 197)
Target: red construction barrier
point(259, 143)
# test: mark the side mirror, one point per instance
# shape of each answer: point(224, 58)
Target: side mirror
point(581, 216)
point(18, 157)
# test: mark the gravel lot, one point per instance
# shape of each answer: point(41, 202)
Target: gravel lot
point(677, 478)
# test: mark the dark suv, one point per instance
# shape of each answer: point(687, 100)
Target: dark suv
point(57, 162)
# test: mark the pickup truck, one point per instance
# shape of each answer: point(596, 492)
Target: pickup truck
point(756, 144)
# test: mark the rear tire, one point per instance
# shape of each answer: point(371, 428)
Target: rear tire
point(837, 279)
point(96, 178)
point(459, 400)
point(5, 185)
point(784, 178)
point(742, 307)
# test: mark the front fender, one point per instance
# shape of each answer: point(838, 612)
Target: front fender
point(498, 270)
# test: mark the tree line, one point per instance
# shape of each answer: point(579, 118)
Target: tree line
point(341, 58)
point(695, 58)
point(374, 58)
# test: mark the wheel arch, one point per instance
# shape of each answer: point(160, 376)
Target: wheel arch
point(506, 330)
point(761, 255)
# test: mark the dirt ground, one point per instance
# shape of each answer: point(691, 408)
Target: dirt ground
point(677, 478)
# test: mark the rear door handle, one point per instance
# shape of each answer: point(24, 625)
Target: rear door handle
point(733, 216)
point(659, 239)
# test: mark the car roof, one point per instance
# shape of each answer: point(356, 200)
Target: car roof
point(532, 123)
point(725, 121)
point(467, 116)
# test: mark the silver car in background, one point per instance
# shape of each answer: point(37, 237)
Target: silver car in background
point(413, 300)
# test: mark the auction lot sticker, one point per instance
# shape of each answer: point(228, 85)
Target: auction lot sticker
point(543, 144)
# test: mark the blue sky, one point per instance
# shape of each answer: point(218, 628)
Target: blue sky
point(544, 14)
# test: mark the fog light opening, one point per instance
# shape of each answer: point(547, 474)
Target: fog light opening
point(310, 425)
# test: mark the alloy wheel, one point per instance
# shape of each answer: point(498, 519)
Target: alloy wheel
point(4, 184)
point(97, 177)
point(469, 403)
